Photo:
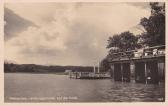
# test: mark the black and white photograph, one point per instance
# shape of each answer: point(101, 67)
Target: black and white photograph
point(84, 52)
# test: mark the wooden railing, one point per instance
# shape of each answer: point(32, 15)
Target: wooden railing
point(145, 52)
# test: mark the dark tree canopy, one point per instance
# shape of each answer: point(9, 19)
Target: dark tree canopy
point(124, 41)
point(104, 65)
point(154, 26)
point(113, 41)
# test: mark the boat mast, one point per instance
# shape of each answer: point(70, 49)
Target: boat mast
point(98, 68)
point(94, 69)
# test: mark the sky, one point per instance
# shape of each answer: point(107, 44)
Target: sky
point(66, 33)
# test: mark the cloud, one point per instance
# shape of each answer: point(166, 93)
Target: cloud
point(143, 5)
point(70, 33)
point(14, 24)
point(40, 13)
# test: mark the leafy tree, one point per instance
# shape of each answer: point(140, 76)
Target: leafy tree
point(113, 41)
point(154, 25)
point(124, 42)
point(104, 65)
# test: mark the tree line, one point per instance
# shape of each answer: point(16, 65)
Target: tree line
point(33, 68)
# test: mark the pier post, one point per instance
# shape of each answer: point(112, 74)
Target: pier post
point(132, 72)
point(161, 71)
point(140, 72)
point(126, 72)
point(146, 74)
point(117, 72)
point(112, 71)
point(152, 72)
point(122, 72)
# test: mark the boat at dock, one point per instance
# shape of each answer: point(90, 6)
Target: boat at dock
point(88, 75)
point(96, 74)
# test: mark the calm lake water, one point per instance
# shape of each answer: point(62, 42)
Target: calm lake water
point(20, 87)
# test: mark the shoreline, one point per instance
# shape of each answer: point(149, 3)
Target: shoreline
point(59, 73)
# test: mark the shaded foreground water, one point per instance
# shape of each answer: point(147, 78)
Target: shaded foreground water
point(20, 87)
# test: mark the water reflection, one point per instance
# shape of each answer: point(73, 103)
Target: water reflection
point(135, 92)
point(51, 85)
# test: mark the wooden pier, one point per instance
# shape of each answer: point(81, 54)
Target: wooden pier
point(146, 66)
point(88, 75)
point(96, 74)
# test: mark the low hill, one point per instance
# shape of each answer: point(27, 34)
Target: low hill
point(33, 68)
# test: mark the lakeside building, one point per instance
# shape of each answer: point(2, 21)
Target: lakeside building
point(145, 65)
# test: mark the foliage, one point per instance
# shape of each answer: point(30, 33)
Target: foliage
point(154, 33)
point(32, 68)
point(154, 25)
point(104, 65)
point(124, 42)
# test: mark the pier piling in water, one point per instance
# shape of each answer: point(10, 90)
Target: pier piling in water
point(148, 68)
point(126, 72)
point(152, 72)
point(117, 72)
point(140, 72)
